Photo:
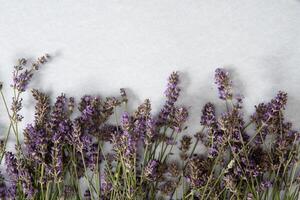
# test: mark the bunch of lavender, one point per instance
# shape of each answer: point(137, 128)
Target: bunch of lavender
point(242, 163)
point(83, 155)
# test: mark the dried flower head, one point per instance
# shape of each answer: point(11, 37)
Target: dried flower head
point(42, 107)
point(198, 170)
point(168, 187)
point(174, 168)
point(178, 118)
point(224, 84)
point(208, 117)
point(172, 94)
point(22, 77)
point(151, 170)
point(185, 142)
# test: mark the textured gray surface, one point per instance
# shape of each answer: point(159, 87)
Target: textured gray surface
point(100, 46)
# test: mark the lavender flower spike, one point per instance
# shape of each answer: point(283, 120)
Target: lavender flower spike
point(224, 84)
point(151, 168)
point(21, 77)
point(208, 115)
point(172, 94)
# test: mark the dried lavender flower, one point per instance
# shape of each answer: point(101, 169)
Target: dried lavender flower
point(208, 117)
point(178, 118)
point(12, 171)
point(168, 187)
point(198, 170)
point(172, 94)
point(150, 131)
point(151, 170)
point(22, 77)
point(174, 168)
point(42, 107)
point(224, 84)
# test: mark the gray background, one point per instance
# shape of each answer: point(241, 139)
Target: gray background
point(100, 46)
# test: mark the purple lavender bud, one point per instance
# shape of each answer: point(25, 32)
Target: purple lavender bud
point(12, 191)
point(93, 158)
point(56, 167)
point(126, 122)
point(208, 115)
point(86, 141)
point(36, 142)
point(224, 84)
point(12, 171)
point(21, 80)
point(106, 186)
point(11, 165)
point(266, 112)
point(279, 101)
point(179, 117)
point(151, 170)
point(139, 127)
point(197, 171)
point(16, 108)
point(212, 152)
point(21, 77)
point(26, 181)
point(150, 131)
point(59, 112)
point(277, 104)
point(88, 112)
point(172, 94)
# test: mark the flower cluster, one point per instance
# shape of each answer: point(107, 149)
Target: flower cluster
point(88, 150)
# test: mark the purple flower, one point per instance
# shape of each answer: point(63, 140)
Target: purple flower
point(126, 122)
point(56, 167)
point(106, 186)
point(172, 94)
point(16, 108)
point(82, 141)
point(36, 142)
point(59, 112)
point(267, 112)
point(26, 181)
point(11, 166)
point(208, 117)
point(150, 131)
point(151, 170)
point(93, 158)
point(197, 171)
point(88, 112)
point(212, 152)
point(277, 104)
point(22, 77)
point(12, 171)
point(224, 84)
point(179, 117)
point(21, 80)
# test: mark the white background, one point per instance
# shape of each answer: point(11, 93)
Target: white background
point(101, 46)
